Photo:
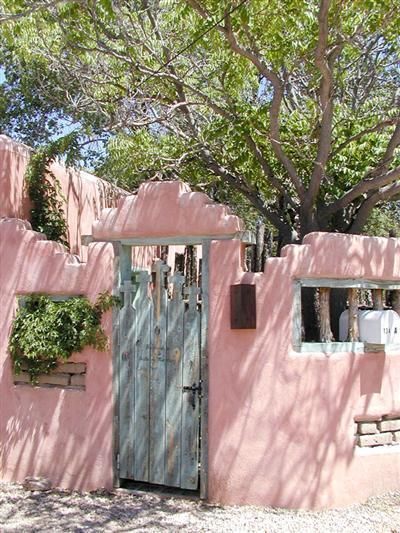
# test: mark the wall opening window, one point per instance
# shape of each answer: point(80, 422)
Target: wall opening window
point(333, 312)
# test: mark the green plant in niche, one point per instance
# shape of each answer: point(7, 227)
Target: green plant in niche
point(44, 190)
point(46, 331)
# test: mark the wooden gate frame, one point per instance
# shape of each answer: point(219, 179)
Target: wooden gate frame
point(122, 272)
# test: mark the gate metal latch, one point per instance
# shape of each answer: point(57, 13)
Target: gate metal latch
point(193, 389)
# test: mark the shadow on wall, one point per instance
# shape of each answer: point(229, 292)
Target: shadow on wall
point(86, 196)
point(65, 435)
point(281, 424)
point(14, 201)
point(60, 434)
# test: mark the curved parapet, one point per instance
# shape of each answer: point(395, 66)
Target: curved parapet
point(31, 263)
point(165, 209)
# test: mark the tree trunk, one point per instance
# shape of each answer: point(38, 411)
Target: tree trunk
point(308, 222)
point(250, 258)
point(396, 301)
point(353, 333)
point(325, 332)
point(338, 305)
point(377, 299)
point(191, 265)
point(260, 248)
point(269, 245)
point(288, 236)
point(309, 307)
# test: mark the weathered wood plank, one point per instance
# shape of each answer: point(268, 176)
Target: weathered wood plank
point(247, 237)
point(157, 439)
point(144, 308)
point(191, 264)
point(353, 331)
point(396, 301)
point(377, 299)
point(349, 283)
point(325, 331)
point(205, 298)
point(115, 366)
point(127, 365)
point(297, 316)
point(125, 263)
point(191, 400)
point(183, 240)
point(159, 427)
point(173, 404)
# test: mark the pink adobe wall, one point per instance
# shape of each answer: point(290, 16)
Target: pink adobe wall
point(65, 435)
point(13, 160)
point(281, 423)
point(165, 209)
point(85, 194)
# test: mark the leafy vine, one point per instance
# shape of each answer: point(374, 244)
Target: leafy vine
point(44, 189)
point(46, 332)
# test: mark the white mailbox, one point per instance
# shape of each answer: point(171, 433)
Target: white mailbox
point(376, 327)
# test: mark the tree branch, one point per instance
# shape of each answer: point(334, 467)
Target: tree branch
point(4, 17)
point(378, 177)
point(267, 169)
point(367, 206)
point(393, 143)
point(276, 83)
point(240, 185)
point(324, 65)
point(378, 127)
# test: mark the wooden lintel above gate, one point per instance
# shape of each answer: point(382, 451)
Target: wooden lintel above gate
point(247, 237)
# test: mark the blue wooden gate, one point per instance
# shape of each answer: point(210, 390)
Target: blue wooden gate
point(159, 379)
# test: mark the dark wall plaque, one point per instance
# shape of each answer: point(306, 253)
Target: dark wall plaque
point(243, 306)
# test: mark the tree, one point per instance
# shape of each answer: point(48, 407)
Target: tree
point(294, 105)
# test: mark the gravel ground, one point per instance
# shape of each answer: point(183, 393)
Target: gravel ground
point(57, 510)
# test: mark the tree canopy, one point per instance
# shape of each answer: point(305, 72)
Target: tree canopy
point(289, 107)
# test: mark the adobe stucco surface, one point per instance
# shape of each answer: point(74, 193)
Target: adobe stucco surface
point(62, 434)
point(281, 424)
point(84, 195)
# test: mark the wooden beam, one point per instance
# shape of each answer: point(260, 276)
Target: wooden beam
point(325, 331)
point(353, 332)
point(115, 349)
point(297, 318)
point(377, 299)
point(328, 348)
point(246, 237)
point(125, 263)
point(349, 283)
point(396, 301)
point(205, 303)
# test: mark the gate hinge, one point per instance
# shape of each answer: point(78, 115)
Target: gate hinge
point(117, 461)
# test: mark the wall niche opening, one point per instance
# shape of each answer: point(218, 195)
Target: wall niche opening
point(330, 313)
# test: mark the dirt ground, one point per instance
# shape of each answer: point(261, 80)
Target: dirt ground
point(56, 510)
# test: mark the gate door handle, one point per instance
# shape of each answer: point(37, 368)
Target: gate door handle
point(193, 389)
